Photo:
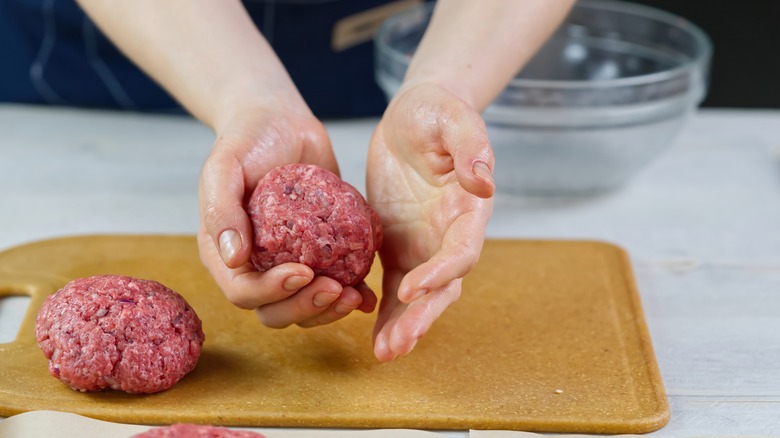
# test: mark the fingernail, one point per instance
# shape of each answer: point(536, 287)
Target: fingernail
point(418, 294)
point(342, 309)
point(482, 170)
point(381, 349)
point(411, 347)
point(295, 282)
point(229, 244)
point(322, 299)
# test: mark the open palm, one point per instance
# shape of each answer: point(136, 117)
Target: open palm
point(429, 177)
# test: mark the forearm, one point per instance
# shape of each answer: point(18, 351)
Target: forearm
point(474, 48)
point(207, 54)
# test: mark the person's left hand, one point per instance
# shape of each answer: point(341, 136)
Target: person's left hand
point(430, 179)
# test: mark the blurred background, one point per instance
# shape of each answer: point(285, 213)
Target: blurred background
point(746, 35)
point(745, 67)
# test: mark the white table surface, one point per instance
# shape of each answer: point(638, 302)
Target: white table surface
point(702, 225)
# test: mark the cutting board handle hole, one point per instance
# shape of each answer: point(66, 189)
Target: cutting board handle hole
point(13, 307)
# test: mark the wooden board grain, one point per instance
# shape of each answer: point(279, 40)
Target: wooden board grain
point(547, 336)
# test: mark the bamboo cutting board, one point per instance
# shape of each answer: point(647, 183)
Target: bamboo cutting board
point(547, 336)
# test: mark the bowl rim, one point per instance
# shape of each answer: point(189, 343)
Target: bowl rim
point(701, 59)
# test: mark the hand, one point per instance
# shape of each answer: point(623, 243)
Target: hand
point(430, 179)
point(248, 145)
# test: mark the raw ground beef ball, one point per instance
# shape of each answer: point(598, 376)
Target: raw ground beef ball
point(196, 431)
point(117, 332)
point(305, 214)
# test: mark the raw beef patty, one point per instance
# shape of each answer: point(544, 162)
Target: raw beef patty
point(305, 214)
point(118, 332)
point(185, 430)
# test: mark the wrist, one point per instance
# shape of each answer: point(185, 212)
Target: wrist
point(267, 97)
point(455, 88)
point(474, 49)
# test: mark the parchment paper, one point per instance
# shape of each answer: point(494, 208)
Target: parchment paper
point(52, 424)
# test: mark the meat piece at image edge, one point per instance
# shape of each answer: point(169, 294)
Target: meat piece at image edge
point(118, 332)
point(306, 214)
point(186, 430)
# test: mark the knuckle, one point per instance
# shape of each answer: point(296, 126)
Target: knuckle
point(213, 216)
point(268, 319)
point(318, 135)
point(468, 254)
point(239, 301)
point(302, 305)
point(307, 324)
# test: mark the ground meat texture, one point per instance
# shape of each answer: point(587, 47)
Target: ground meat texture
point(184, 430)
point(118, 332)
point(305, 214)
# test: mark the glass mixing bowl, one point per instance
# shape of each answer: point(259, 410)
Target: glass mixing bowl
point(601, 99)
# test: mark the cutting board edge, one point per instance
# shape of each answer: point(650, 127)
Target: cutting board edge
point(603, 426)
point(651, 361)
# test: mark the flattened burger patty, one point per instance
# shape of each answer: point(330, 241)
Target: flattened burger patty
point(118, 332)
point(185, 430)
point(305, 214)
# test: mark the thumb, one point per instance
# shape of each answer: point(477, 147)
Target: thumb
point(467, 141)
point(221, 195)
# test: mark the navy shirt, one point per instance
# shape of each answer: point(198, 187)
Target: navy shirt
point(52, 53)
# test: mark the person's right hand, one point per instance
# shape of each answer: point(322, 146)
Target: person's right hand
point(249, 144)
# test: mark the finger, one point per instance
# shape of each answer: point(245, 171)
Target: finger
point(407, 323)
point(417, 318)
point(368, 302)
point(247, 288)
point(310, 301)
point(349, 300)
point(459, 253)
point(465, 138)
point(317, 149)
point(221, 195)
point(389, 308)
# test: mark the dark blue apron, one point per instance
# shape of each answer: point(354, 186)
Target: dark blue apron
point(51, 53)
